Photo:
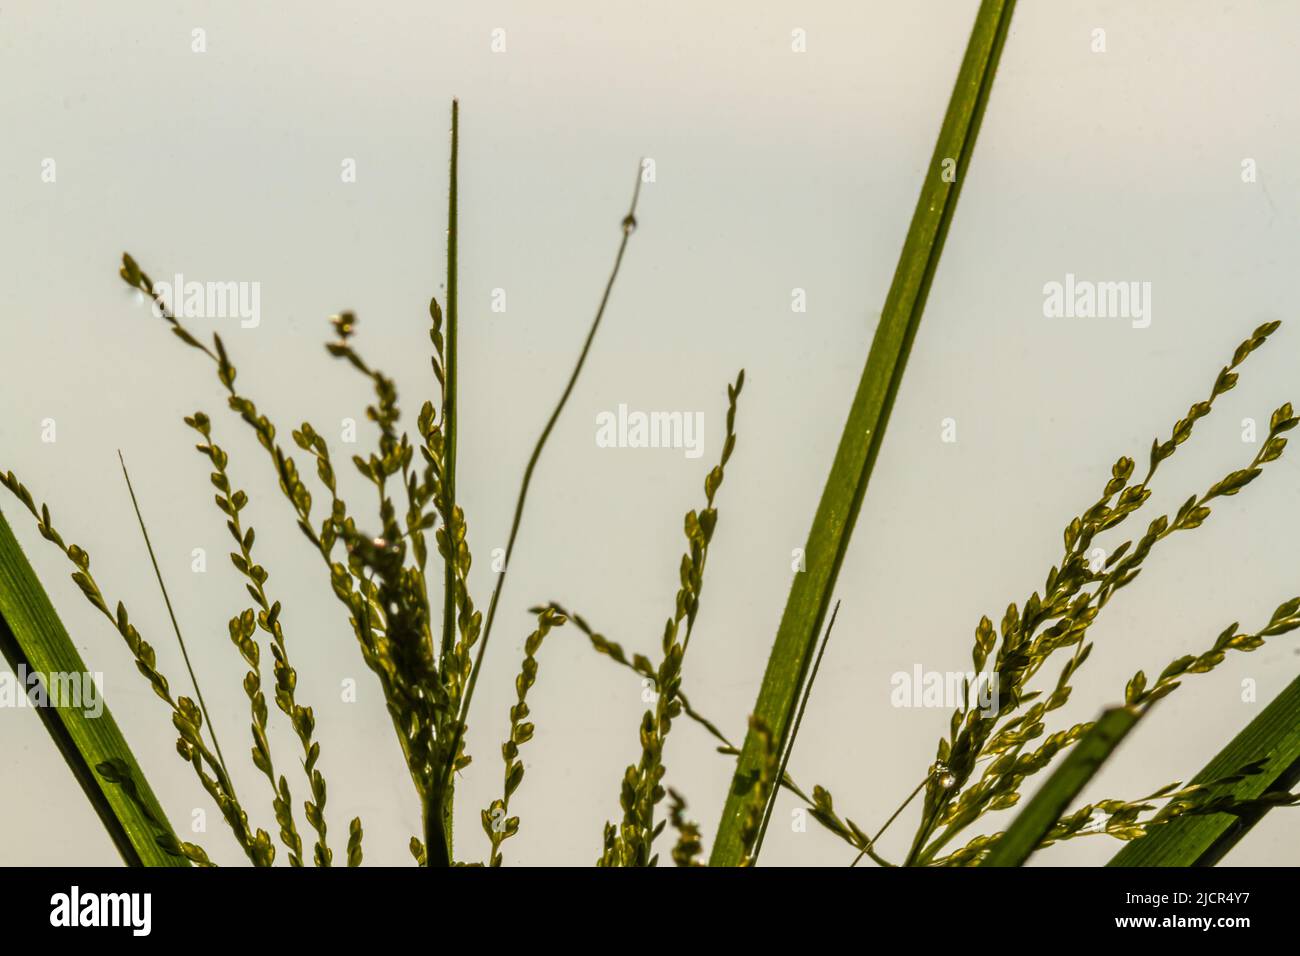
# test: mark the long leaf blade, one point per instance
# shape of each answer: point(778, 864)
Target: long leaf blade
point(1204, 840)
point(860, 442)
point(1066, 782)
point(32, 636)
point(438, 836)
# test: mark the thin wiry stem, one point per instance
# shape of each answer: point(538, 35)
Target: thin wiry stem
point(629, 226)
point(868, 849)
point(794, 732)
point(212, 729)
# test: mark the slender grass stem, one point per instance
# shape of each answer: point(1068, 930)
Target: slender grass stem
point(212, 729)
point(629, 226)
point(867, 850)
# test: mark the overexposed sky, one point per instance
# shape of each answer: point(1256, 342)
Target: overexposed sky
point(774, 171)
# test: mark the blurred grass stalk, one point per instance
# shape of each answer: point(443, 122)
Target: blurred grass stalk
point(846, 485)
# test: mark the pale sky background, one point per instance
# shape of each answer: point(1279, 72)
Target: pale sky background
point(774, 171)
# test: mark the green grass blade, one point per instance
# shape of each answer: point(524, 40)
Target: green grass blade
point(438, 844)
point(804, 696)
point(449, 407)
point(32, 636)
point(1204, 840)
point(810, 597)
point(1055, 796)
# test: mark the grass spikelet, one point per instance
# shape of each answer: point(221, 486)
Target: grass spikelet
point(642, 788)
point(1058, 619)
point(390, 617)
point(354, 842)
point(401, 598)
point(232, 502)
point(497, 822)
point(1137, 693)
point(819, 804)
